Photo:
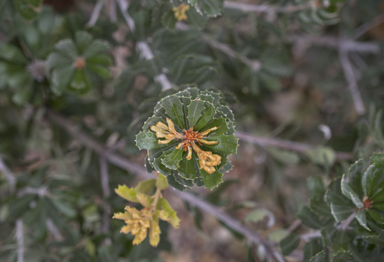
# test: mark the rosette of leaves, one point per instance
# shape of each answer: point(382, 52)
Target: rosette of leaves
point(357, 202)
point(76, 63)
point(22, 65)
point(362, 194)
point(189, 137)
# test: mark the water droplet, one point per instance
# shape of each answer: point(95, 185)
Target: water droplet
point(144, 135)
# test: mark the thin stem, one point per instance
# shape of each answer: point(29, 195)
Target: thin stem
point(8, 174)
point(334, 42)
point(351, 80)
point(156, 198)
point(285, 144)
point(361, 30)
point(267, 8)
point(95, 13)
point(20, 240)
point(344, 224)
point(106, 194)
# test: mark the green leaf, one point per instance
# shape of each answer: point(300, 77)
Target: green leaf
point(362, 219)
point(316, 187)
point(82, 39)
point(28, 9)
point(226, 144)
point(182, 181)
point(376, 216)
point(373, 182)
point(68, 48)
point(80, 83)
point(258, 215)
point(145, 186)
point(152, 121)
point(226, 112)
point(126, 193)
point(341, 212)
point(144, 199)
point(311, 248)
point(322, 156)
point(211, 7)
point(284, 157)
point(270, 82)
point(211, 180)
point(161, 168)
point(187, 169)
point(172, 160)
point(161, 182)
point(148, 166)
point(289, 243)
point(309, 219)
point(174, 183)
point(342, 256)
point(319, 257)
point(355, 177)
point(147, 140)
point(174, 109)
point(64, 208)
point(61, 77)
point(348, 192)
point(207, 116)
point(173, 219)
point(95, 48)
point(221, 123)
point(168, 20)
point(377, 159)
point(195, 109)
point(341, 207)
point(157, 152)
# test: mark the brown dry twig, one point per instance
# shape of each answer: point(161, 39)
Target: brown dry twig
point(285, 144)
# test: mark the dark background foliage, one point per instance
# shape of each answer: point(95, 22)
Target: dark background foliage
point(292, 71)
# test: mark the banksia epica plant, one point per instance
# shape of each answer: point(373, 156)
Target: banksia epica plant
point(155, 207)
point(189, 138)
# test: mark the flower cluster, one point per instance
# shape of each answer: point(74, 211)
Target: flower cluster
point(189, 137)
point(207, 160)
point(138, 222)
point(179, 12)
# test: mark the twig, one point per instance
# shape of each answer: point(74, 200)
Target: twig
point(124, 163)
point(289, 145)
point(253, 64)
point(333, 42)
point(104, 177)
point(106, 194)
point(112, 11)
point(361, 30)
point(267, 8)
point(294, 225)
point(352, 81)
point(20, 240)
point(143, 47)
point(95, 13)
point(10, 177)
point(345, 223)
point(54, 230)
point(314, 234)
